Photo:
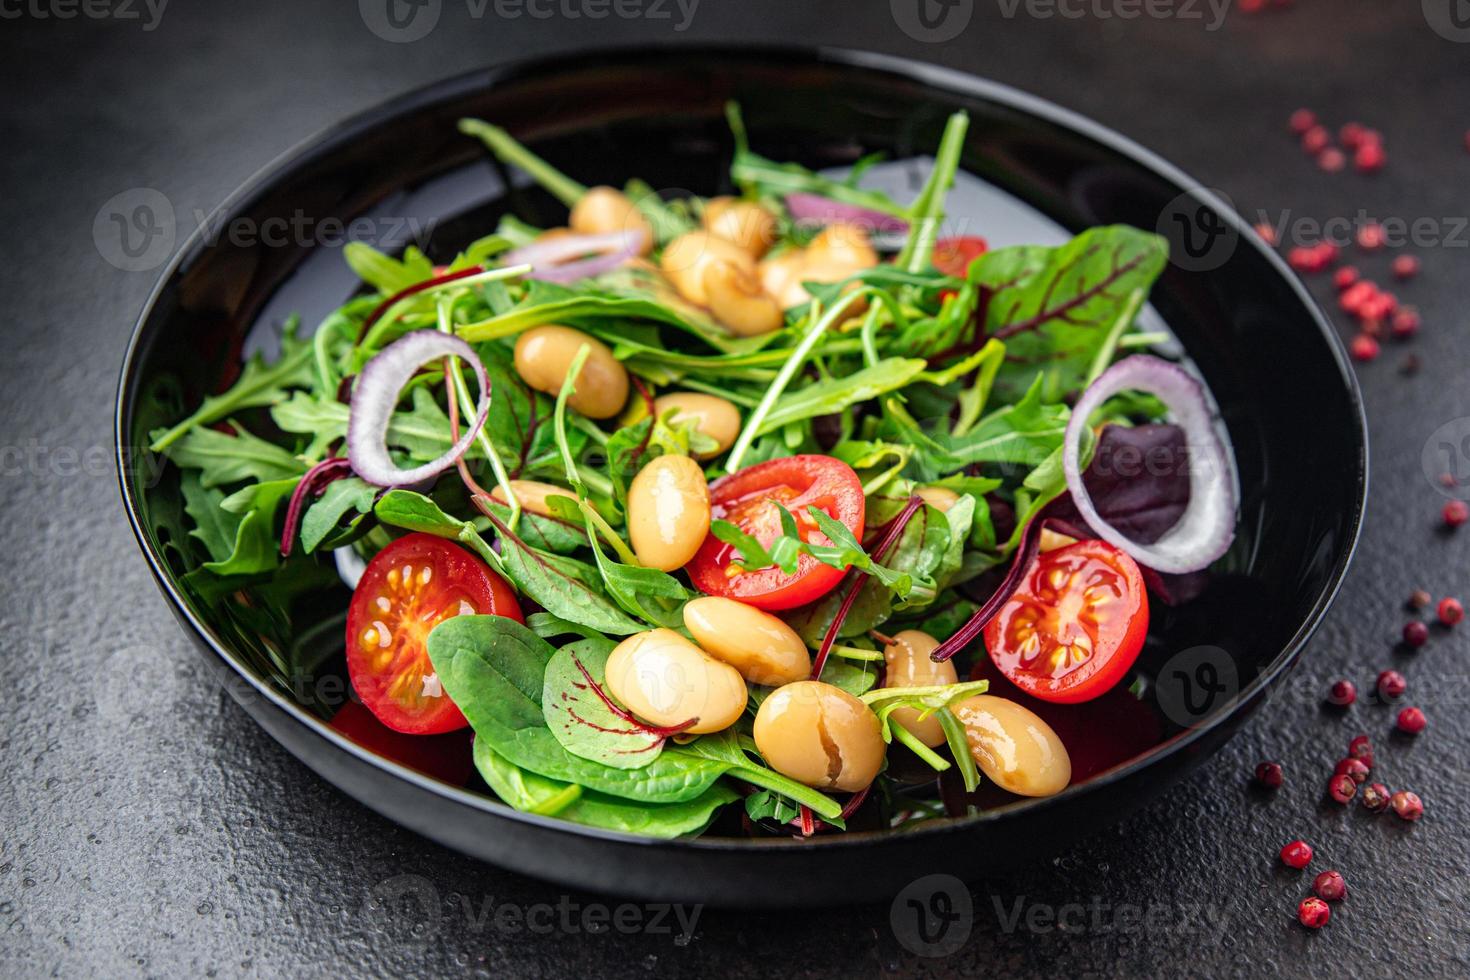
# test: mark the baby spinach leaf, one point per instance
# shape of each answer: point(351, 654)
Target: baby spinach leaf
point(494, 669)
point(581, 715)
point(259, 384)
point(532, 793)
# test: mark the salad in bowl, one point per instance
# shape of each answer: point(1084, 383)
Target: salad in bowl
point(781, 508)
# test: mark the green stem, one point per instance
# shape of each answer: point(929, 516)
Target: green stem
point(928, 208)
point(935, 761)
point(390, 315)
point(856, 653)
point(458, 388)
point(1115, 333)
point(821, 805)
point(959, 747)
point(509, 149)
point(783, 377)
point(553, 805)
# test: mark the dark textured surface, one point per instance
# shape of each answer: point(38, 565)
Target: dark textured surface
point(148, 827)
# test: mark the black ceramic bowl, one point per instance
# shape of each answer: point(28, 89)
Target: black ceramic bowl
point(1270, 359)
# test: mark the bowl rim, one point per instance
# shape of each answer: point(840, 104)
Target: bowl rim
point(901, 68)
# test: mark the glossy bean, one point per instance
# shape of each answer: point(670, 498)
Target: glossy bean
point(763, 648)
point(544, 355)
point(745, 223)
point(668, 512)
point(712, 416)
point(666, 680)
point(738, 302)
point(532, 495)
point(820, 735)
point(606, 209)
point(908, 665)
point(940, 498)
point(685, 259)
point(1013, 747)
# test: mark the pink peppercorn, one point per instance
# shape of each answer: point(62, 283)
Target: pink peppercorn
point(1450, 611)
point(1411, 721)
point(1455, 513)
point(1297, 854)
point(1330, 886)
point(1407, 805)
point(1313, 912)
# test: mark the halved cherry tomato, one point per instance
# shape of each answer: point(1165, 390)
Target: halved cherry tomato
point(746, 500)
point(952, 256)
point(409, 588)
point(1074, 627)
point(446, 757)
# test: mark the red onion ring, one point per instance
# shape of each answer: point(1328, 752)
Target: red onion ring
point(826, 211)
point(549, 259)
point(376, 396)
point(1207, 527)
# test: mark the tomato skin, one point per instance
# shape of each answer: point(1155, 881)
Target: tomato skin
point(952, 256)
point(741, 498)
point(445, 757)
point(409, 588)
point(1088, 597)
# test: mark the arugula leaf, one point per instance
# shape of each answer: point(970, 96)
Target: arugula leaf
point(259, 384)
point(834, 394)
point(1024, 434)
point(320, 521)
point(257, 547)
point(764, 177)
point(532, 793)
point(222, 459)
point(213, 525)
point(383, 272)
point(786, 549)
point(585, 725)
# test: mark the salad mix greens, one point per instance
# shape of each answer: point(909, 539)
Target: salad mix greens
point(691, 504)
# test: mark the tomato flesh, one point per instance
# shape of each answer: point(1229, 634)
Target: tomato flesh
point(747, 499)
point(410, 587)
point(1074, 626)
point(952, 256)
